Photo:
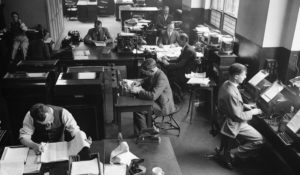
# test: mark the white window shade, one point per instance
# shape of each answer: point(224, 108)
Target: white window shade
point(231, 7)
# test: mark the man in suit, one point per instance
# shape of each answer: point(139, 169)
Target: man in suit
point(98, 33)
point(169, 36)
point(236, 113)
point(163, 20)
point(184, 64)
point(155, 87)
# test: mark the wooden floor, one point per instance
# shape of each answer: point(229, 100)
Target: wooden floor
point(195, 141)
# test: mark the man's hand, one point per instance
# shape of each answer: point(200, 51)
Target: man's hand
point(38, 148)
point(256, 111)
point(136, 89)
point(250, 106)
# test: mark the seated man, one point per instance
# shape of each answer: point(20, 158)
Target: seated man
point(176, 70)
point(18, 29)
point(155, 87)
point(237, 113)
point(46, 123)
point(169, 36)
point(98, 33)
point(163, 20)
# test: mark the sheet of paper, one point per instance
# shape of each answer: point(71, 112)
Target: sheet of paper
point(55, 152)
point(85, 167)
point(258, 77)
point(125, 158)
point(110, 169)
point(15, 154)
point(36, 75)
point(32, 158)
point(196, 75)
point(81, 57)
point(32, 168)
point(272, 91)
point(11, 167)
point(100, 43)
point(77, 143)
point(201, 81)
point(86, 75)
point(294, 123)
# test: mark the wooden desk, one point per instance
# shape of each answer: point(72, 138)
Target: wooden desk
point(288, 154)
point(37, 65)
point(97, 58)
point(154, 154)
point(87, 10)
point(148, 12)
point(132, 104)
point(83, 96)
point(118, 4)
point(197, 87)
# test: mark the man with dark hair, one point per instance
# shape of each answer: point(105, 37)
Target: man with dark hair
point(176, 70)
point(163, 20)
point(155, 87)
point(98, 33)
point(236, 113)
point(18, 29)
point(46, 123)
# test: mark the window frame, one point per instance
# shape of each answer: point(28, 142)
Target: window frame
point(222, 17)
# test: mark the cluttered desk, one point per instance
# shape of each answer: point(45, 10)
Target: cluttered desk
point(85, 55)
point(279, 123)
point(154, 155)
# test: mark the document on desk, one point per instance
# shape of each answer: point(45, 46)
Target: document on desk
point(201, 81)
point(60, 151)
point(100, 43)
point(11, 167)
point(110, 169)
point(258, 77)
point(15, 154)
point(294, 123)
point(87, 167)
point(33, 163)
point(272, 91)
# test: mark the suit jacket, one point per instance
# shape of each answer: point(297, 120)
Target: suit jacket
point(165, 39)
point(157, 88)
point(93, 34)
point(161, 22)
point(231, 106)
point(183, 64)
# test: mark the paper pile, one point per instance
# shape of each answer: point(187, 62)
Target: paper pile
point(122, 155)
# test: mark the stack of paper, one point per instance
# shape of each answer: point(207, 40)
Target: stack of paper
point(87, 167)
point(110, 169)
point(196, 75)
point(201, 81)
point(122, 155)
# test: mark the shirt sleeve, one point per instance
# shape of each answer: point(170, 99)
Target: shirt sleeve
point(28, 128)
point(88, 37)
point(70, 123)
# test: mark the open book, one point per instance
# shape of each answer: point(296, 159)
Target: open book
point(60, 151)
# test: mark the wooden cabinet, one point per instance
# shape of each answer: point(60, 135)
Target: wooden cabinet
point(82, 93)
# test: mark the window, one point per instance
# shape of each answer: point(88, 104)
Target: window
point(224, 15)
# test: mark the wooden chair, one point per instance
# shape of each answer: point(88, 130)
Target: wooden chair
point(168, 122)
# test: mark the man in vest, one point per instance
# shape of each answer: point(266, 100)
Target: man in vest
point(46, 123)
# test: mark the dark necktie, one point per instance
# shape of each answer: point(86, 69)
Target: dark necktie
point(98, 36)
